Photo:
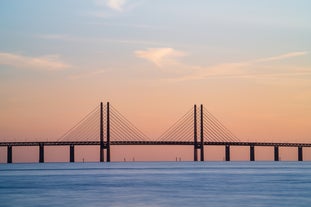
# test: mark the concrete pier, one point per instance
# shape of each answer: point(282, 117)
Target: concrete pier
point(276, 153)
point(252, 153)
point(9, 154)
point(72, 153)
point(227, 152)
point(41, 152)
point(300, 154)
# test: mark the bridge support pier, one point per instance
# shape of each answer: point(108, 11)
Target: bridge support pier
point(9, 154)
point(195, 146)
point(108, 133)
point(276, 153)
point(201, 134)
point(41, 152)
point(300, 153)
point(195, 156)
point(101, 153)
point(252, 153)
point(72, 153)
point(227, 152)
point(101, 133)
point(202, 152)
point(108, 152)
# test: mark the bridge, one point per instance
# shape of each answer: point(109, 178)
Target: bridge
point(105, 126)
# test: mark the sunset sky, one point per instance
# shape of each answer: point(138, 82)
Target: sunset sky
point(247, 61)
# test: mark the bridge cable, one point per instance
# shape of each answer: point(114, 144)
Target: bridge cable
point(78, 128)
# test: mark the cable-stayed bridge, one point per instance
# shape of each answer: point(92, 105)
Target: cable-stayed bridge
point(105, 126)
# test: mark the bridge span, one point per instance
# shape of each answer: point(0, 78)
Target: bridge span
point(120, 131)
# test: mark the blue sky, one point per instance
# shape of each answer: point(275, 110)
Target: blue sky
point(225, 30)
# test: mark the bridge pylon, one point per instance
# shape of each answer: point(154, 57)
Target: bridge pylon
point(108, 133)
point(101, 133)
point(198, 145)
point(104, 145)
point(201, 134)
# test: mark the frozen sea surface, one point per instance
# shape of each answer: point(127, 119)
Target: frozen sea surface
point(156, 184)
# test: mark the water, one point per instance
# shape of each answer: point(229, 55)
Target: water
point(156, 184)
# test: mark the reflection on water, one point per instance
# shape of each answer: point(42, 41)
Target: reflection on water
point(156, 184)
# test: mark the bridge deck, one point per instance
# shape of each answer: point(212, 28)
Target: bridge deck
point(51, 143)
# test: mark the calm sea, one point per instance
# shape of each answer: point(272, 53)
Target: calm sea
point(156, 184)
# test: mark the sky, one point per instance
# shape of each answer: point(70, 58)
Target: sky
point(248, 62)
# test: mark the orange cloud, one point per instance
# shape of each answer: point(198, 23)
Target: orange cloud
point(49, 62)
point(160, 56)
point(241, 69)
point(283, 56)
point(116, 5)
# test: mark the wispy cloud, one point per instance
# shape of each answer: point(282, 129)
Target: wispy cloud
point(160, 56)
point(241, 69)
point(48, 62)
point(117, 5)
point(70, 38)
point(135, 26)
point(113, 8)
point(166, 58)
point(224, 70)
point(282, 57)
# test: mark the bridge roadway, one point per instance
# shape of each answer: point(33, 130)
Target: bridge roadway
point(197, 146)
point(64, 143)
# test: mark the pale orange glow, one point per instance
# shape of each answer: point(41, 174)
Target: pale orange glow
point(214, 153)
point(152, 153)
point(265, 154)
point(252, 73)
point(56, 154)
